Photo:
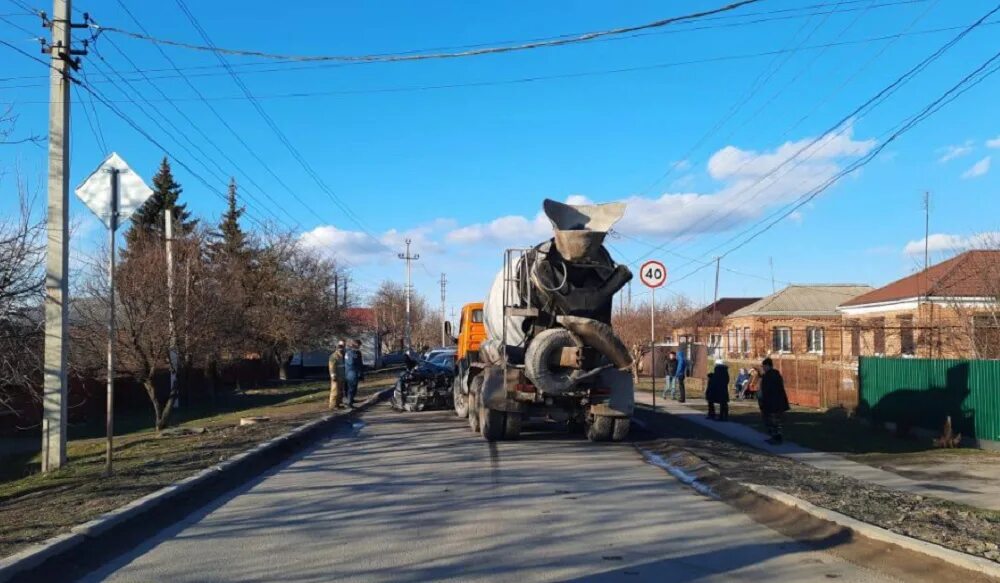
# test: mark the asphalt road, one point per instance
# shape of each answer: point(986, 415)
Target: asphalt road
point(418, 497)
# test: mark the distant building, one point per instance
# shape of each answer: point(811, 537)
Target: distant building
point(798, 320)
point(705, 325)
point(949, 310)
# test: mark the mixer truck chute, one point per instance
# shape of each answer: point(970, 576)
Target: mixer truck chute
point(549, 349)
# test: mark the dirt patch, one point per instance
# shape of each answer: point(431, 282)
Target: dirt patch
point(144, 463)
point(955, 526)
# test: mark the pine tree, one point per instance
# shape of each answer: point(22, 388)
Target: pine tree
point(166, 192)
point(233, 237)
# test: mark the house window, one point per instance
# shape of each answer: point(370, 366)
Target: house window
point(855, 339)
point(814, 337)
point(907, 345)
point(731, 341)
point(986, 336)
point(781, 339)
point(715, 340)
point(879, 325)
point(746, 341)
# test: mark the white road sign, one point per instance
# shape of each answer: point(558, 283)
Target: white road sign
point(95, 191)
point(653, 274)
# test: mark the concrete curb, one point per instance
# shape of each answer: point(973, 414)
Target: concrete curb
point(35, 555)
point(958, 559)
point(695, 473)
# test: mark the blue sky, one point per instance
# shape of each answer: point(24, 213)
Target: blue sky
point(463, 170)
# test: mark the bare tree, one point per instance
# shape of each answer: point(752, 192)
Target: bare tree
point(293, 304)
point(8, 119)
point(389, 303)
point(632, 325)
point(21, 294)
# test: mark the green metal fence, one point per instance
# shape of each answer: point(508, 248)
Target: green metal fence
point(923, 392)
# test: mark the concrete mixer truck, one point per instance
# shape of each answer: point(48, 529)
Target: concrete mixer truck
point(549, 351)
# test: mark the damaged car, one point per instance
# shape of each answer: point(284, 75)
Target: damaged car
point(426, 384)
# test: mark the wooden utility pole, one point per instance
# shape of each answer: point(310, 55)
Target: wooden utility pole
point(57, 249)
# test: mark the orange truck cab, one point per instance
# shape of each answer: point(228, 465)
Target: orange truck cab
point(471, 332)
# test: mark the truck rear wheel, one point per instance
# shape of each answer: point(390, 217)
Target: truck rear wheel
point(622, 426)
point(460, 399)
point(493, 423)
point(600, 428)
point(512, 426)
point(472, 405)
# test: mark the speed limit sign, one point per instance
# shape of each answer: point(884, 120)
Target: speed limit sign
point(653, 274)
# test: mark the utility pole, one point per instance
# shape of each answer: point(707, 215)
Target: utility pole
point(444, 285)
point(57, 244)
point(774, 288)
point(409, 259)
point(168, 222)
point(336, 290)
point(346, 279)
point(715, 298)
point(927, 235)
point(110, 413)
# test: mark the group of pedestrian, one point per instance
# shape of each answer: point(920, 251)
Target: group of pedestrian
point(766, 384)
point(347, 369)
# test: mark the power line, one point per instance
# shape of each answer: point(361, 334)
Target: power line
point(845, 121)
point(280, 134)
point(397, 57)
point(219, 173)
point(733, 207)
point(965, 84)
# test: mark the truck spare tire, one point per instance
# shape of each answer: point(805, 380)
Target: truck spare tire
point(543, 351)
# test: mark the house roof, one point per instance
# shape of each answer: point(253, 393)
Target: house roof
point(718, 309)
point(361, 317)
point(973, 274)
point(804, 300)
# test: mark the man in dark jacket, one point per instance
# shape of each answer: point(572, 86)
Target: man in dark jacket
point(354, 368)
point(718, 391)
point(680, 375)
point(671, 384)
point(773, 401)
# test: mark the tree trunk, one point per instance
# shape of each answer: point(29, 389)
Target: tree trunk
point(147, 383)
point(283, 365)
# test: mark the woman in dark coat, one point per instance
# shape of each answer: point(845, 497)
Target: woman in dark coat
point(773, 401)
point(718, 392)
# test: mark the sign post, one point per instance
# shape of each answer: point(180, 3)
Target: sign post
point(653, 274)
point(109, 199)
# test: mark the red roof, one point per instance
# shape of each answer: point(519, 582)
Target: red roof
point(712, 313)
point(973, 274)
point(361, 317)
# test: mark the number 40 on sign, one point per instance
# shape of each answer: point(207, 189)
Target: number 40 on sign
point(653, 274)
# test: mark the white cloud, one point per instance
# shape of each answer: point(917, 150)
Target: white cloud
point(751, 182)
point(796, 217)
point(994, 143)
point(942, 242)
point(980, 168)
point(359, 247)
point(953, 151)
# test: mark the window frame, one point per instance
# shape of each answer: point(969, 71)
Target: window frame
point(811, 335)
point(781, 332)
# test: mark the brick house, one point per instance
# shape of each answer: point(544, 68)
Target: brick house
point(798, 320)
point(949, 310)
point(705, 325)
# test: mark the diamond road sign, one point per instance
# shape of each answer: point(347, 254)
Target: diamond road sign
point(95, 191)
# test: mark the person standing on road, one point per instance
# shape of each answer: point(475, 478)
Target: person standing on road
point(671, 384)
point(680, 374)
point(773, 401)
point(718, 391)
point(354, 368)
point(338, 375)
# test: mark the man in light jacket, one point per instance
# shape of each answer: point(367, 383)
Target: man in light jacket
point(338, 375)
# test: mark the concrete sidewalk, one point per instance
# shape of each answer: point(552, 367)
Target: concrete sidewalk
point(973, 492)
